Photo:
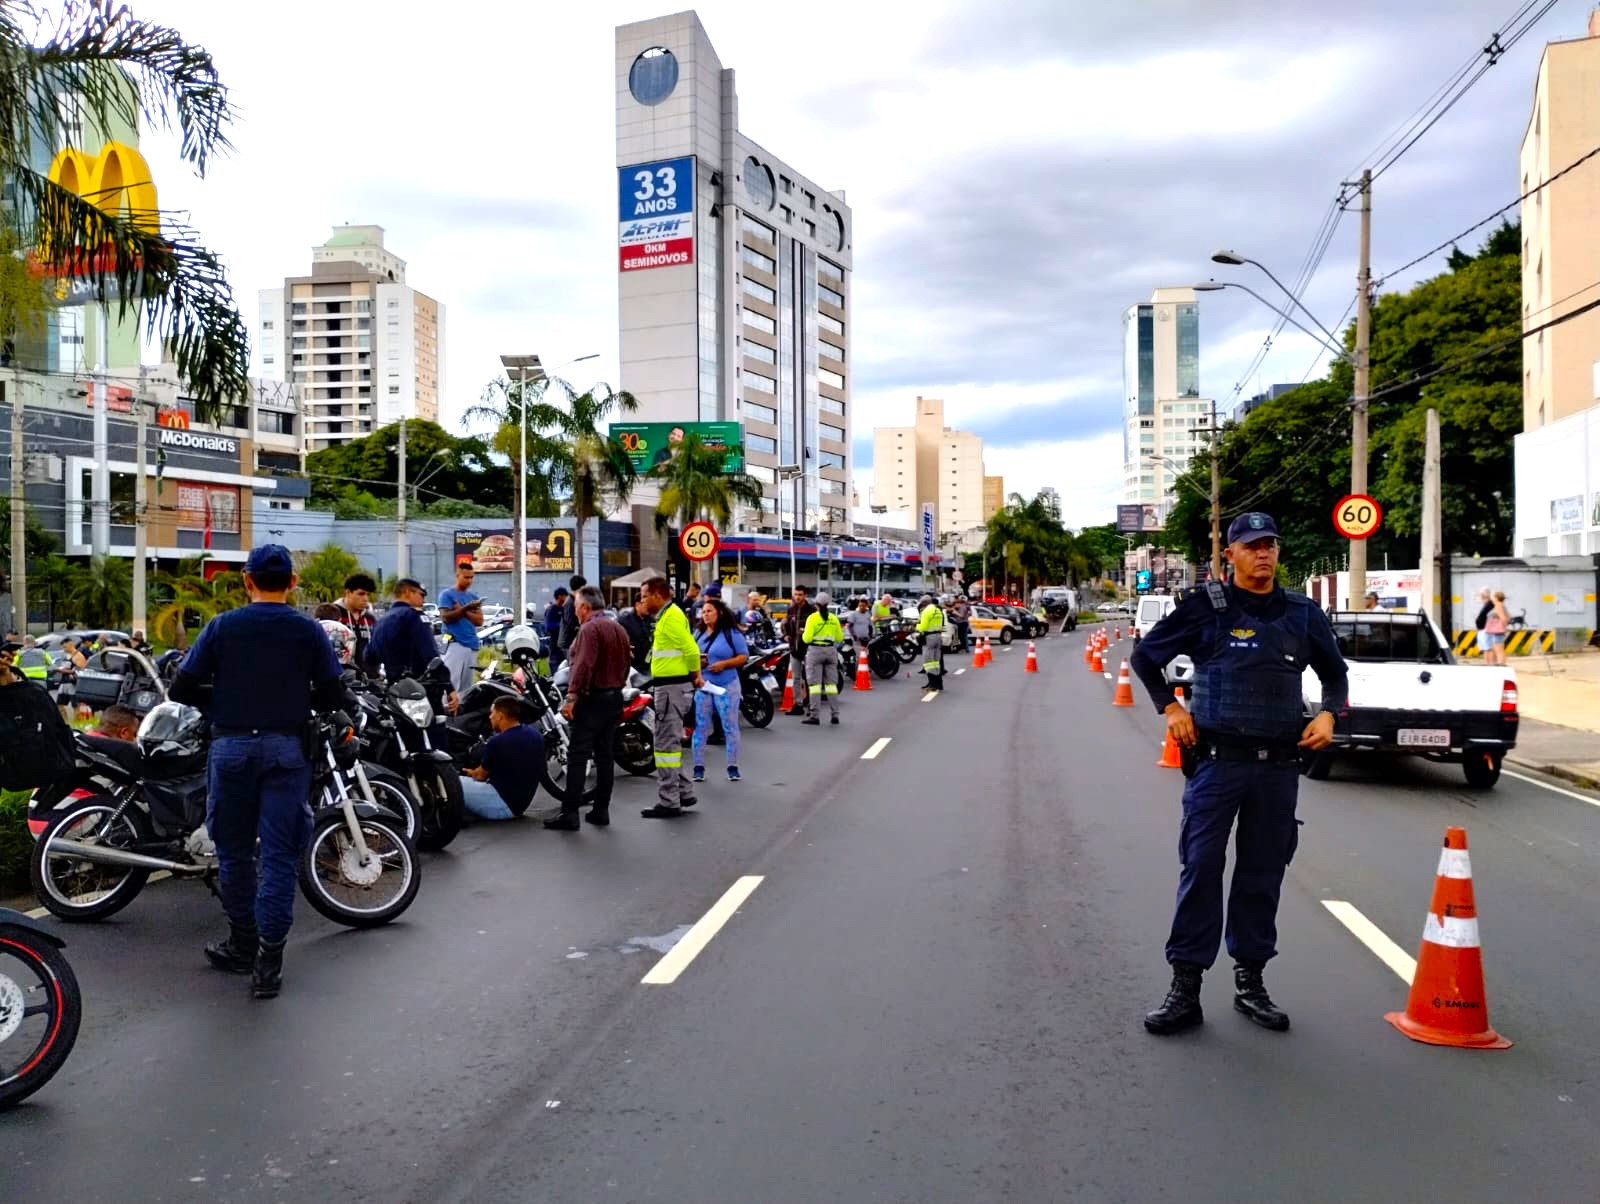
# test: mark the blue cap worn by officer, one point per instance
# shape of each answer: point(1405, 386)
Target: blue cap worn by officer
point(267, 666)
point(1243, 738)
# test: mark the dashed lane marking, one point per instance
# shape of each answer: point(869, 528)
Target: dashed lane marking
point(678, 959)
point(1374, 938)
point(878, 745)
point(930, 696)
point(1582, 798)
point(959, 672)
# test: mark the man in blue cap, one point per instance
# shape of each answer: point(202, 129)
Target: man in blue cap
point(267, 666)
point(1250, 642)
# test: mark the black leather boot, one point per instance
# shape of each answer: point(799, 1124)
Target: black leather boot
point(1250, 997)
point(1181, 1009)
point(267, 978)
point(236, 952)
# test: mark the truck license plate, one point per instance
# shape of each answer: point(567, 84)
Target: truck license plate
point(1425, 737)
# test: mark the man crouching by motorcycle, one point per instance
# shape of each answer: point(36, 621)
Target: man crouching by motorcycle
point(268, 666)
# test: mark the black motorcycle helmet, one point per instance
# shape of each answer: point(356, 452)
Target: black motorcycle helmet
point(173, 736)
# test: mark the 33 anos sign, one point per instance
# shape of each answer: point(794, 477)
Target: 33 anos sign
point(656, 214)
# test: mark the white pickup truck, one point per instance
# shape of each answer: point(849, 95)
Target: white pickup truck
point(1409, 697)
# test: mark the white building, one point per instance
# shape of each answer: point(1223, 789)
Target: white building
point(928, 463)
point(1164, 417)
point(364, 348)
point(734, 289)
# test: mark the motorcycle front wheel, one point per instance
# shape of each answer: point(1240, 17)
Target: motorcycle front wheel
point(553, 774)
point(72, 887)
point(439, 794)
point(907, 651)
point(884, 663)
point(756, 705)
point(358, 894)
point(40, 1010)
point(393, 792)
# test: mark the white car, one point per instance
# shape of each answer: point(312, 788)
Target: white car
point(1108, 608)
point(493, 612)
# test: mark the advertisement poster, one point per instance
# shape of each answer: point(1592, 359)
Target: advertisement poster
point(493, 549)
point(209, 507)
point(1140, 516)
point(652, 443)
point(655, 220)
point(1566, 515)
point(927, 528)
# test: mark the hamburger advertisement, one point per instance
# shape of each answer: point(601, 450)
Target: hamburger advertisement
point(494, 550)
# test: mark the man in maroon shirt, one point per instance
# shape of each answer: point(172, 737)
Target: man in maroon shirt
point(598, 669)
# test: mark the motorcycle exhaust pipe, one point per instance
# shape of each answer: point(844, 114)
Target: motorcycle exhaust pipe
point(107, 855)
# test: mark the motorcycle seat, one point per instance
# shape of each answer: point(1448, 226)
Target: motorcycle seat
point(124, 752)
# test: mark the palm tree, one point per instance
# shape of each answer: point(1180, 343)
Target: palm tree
point(501, 405)
point(322, 577)
point(57, 576)
point(93, 63)
point(590, 463)
point(695, 485)
point(179, 595)
point(103, 592)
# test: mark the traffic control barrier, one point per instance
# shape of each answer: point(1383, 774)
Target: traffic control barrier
point(788, 690)
point(1124, 695)
point(1033, 659)
point(863, 674)
point(1447, 1005)
point(988, 652)
point(977, 652)
point(1098, 664)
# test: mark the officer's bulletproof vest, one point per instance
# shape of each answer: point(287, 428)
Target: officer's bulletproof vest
point(1250, 684)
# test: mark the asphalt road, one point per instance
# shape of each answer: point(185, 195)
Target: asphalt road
point(934, 992)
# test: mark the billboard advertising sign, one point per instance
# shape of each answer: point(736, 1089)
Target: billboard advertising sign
point(656, 214)
point(650, 443)
point(926, 526)
point(494, 549)
point(1141, 516)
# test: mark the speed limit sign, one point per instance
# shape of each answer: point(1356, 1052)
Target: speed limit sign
point(699, 541)
point(1357, 516)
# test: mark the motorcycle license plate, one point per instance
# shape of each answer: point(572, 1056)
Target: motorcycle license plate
point(1424, 737)
point(770, 682)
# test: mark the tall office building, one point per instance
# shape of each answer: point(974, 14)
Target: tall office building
point(994, 496)
point(1164, 417)
point(930, 463)
point(364, 348)
point(734, 289)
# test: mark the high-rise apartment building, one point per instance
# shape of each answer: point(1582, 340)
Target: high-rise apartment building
point(734, 290)
point(1164, 417)
point(1052, 501)
point(364, 348)
point(930, 463)
point(1557, 455)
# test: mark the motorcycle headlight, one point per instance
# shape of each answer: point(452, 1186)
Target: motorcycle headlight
point(418, 711)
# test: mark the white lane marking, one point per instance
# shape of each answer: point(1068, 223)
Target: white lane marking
point(1374, 938)
point(930, 695)
point(1582, 798)
point(959, 672)
point(679, 957)
point(878, 745)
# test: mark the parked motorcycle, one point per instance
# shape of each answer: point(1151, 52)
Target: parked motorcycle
point(883, 656)
point(135, 807)
point(760, 686)
point(40, 1006)
point(405, 734)
point(635, 745)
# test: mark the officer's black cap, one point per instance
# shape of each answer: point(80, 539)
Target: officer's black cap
point(410, 583)
point(1249, 527)
point(269, 558)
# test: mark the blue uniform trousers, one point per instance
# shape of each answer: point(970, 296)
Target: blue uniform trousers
point(1261, 796)
point(258, 788)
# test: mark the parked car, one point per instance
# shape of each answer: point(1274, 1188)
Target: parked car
point(990, 622)
point(1108, 608)
point(1029, 625)
point(85, 637)
point(494, 612)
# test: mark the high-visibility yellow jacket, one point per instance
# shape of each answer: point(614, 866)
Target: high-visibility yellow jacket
point(674, 656)
point(882, 612)
point(821, 630)
point(931, 619)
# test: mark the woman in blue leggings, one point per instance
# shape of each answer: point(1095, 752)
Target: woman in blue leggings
point(722, 651)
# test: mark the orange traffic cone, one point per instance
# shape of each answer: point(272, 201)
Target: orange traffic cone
point(863, 674)
point(1088, 649)
point(788, 690)
point(1117, 634)
point(1124, 695)
point(1171, 754)
point(1447, 1004)
point(977, 652)
point(1098, 664)
point(988, 652)
point(1033, 659)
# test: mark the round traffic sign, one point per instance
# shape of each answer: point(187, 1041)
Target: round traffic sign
point(699, 541)
point(1357, 516)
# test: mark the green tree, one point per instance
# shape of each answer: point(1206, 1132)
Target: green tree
point(184, 597)
point(95, 62)
point(588, 462)
point(1030, 544)
point(501, 405)
point(36, 540)
point(322, 577)
point(102, 591)
point(695, 486)
point(361, 477)
point(55, 577)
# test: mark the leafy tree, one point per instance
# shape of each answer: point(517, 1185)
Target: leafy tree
point(56, 577)
point(117, 70)
point(1028, 541)
point(502, 405)
point(184, 597)
point(586, 459)
point(322, 577)
point(694, 486)
point(360, 478)
point(36, 541)
point(102, 591)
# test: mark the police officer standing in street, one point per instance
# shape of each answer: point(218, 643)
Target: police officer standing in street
point(930, 626)
point(675, 670)
point(822, 636)
point(1250, 642)
point(268, 665)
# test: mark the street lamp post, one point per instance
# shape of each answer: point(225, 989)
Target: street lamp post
point(791, 472)
point(877, 579)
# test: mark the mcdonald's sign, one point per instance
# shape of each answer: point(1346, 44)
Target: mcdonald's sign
point(176, 419)
point(118, 182)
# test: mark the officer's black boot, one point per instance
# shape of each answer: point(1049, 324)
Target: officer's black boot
point(1181, 1009)
point(267, 979)
point(1250, 997)
point(236, 952)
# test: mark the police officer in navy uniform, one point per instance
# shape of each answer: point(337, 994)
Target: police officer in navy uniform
point(267, 665)
point(1250, 642)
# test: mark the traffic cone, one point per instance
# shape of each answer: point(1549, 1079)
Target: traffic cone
point(788, 690)
point(863, 674)
point(1117, 634)
point(1124, 695)
point(1033, 659)
point(977, 652)
point(1447, 1004)
point(1098, 664)
point(1088, 649)
point(1171, 754)
point(988, 651)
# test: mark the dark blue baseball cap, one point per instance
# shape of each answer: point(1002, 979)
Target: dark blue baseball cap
point(269, 558)
point(1249, 527)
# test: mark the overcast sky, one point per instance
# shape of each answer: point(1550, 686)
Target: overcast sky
point(1020, 172)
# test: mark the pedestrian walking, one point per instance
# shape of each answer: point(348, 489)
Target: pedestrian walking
point(461, 613)
point(675, 668)
point(723, 651)
point(822, 637)
point(930, 626)
point(597, 671)
point(1496, 625)
point(794, 630)
point(1250, 642)
point(268, 666)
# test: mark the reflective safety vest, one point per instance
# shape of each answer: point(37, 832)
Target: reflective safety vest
point(674, 655)
point(1249, 684)
point(881, 613)
point(823, 632)
point(33, 663)
point(931, 619)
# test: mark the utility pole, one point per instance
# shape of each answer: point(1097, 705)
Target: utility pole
point(1216, 499)
point(400, 512)
point(141, 618)
point(100, 473)
point(1358, 416)
point(1432, 520)
point(19, 514)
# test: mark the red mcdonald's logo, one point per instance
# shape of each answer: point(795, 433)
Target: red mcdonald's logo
point(178, 419)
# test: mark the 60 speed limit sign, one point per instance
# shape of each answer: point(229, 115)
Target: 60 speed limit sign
point(1357, 516)
point(699, 541)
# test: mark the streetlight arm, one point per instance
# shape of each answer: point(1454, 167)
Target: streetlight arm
point(1233, 258)
point(1327, 340)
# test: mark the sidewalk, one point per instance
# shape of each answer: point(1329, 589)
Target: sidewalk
point(1559, 698)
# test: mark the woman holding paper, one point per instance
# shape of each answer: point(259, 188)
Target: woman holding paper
point(722, 652)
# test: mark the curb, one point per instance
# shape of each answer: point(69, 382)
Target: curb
point(1557, 771)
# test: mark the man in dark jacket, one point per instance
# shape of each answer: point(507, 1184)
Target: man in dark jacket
point(552, 627)
point(402, 644)
point(569, 615)
point(640, 625)
point(794, 626)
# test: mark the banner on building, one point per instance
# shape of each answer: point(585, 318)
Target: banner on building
point(927, 527)
point(650, 443)
point(210, 508)
point(656, 214)
point(1140, 516)
point(1566, 515)
point(493, 549)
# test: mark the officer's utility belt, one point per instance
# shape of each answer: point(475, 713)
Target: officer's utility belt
point(1272, 754)
point(821, 644)
point(676, 679)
